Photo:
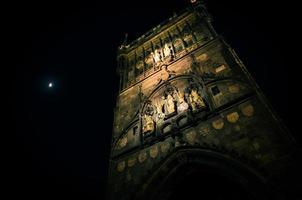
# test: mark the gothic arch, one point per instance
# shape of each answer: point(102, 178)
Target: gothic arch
point(177, 95)
point(195, 78)
point(158, 186)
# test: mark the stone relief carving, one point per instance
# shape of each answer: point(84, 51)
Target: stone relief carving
point(149, 125)
point(171, 100)
point(168, 51)
point(169, 106)
point(148, 122)
point(182, 104)
point(195, 100)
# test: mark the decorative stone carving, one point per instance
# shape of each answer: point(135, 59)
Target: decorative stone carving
point(157, 56)
point(140, 65)
point(164, 74)
point(220, 69)
point(164, 147)
point(218, 124)
point(122, 142)
point(234, 88)
point(168, 51)
point(159, 116)
point(248, 110)
point(203, 57)
point(148, 126)
point(142, 157)
point(121, 166)
point(169, 101)
point(191, 136)
point(182, 104)
point(170, 106)
point(195, 100)
point(204, 131)
point(153, 152)
point(233, 117)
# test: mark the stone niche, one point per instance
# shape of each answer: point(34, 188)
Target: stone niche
point(171, 100)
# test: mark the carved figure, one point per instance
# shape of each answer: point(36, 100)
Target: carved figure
point(170, 107)
point(159, 114)
point(148, 125)
point(195, 100)
point(157, 56)
point(167, 51)
point(182, 106)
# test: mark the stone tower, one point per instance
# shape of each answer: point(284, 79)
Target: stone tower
point(189, 117)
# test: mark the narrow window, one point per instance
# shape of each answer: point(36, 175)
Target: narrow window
point(215, 90)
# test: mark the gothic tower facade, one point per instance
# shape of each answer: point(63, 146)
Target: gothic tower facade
point(188, 107)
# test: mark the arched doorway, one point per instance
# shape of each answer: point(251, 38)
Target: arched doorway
point(194, 182)
point(204, 174)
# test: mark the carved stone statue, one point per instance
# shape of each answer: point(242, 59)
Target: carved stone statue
point(148, 124)
point(170, 107)
point(159, 114)
point(182, 104)
point(167, 51)
point(195, 100)
point(157, 56)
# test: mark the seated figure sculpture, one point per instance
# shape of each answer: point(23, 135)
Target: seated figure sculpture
point(148, 124)
point(196, 100)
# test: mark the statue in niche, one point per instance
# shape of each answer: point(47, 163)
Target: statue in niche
point(149, 125)
point(178, 45)
point(148, 122)
point(168, 52)
point(159, 117)
point(169, 104)
point(149, 60)
point(196, 100)
point(182, 104)
point(157, 56)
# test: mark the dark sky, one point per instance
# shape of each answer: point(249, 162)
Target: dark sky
point(62, 137)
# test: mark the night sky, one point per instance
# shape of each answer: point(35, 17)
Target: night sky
point(62, 139)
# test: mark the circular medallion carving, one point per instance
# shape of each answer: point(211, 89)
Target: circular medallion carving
point(218, 124)
point(204, 131)
point(164, 147)
point(123, 142)
point(142, 157)
point(191, 136)
point(121, 166)
point(202, 57)
point(234, 88)
point(153, 151)
point(233, 117)
point(131, 162)
point(248, 110)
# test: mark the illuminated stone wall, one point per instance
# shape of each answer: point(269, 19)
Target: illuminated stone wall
point(182, 87)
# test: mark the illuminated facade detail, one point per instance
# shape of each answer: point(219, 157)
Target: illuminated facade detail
point(184, 96)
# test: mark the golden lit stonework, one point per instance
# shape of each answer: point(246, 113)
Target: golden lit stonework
point(218, 124)
point(187, 103)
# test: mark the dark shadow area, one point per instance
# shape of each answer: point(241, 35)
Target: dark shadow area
point(200, 184)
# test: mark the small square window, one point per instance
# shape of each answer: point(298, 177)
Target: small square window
point(215, 90)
